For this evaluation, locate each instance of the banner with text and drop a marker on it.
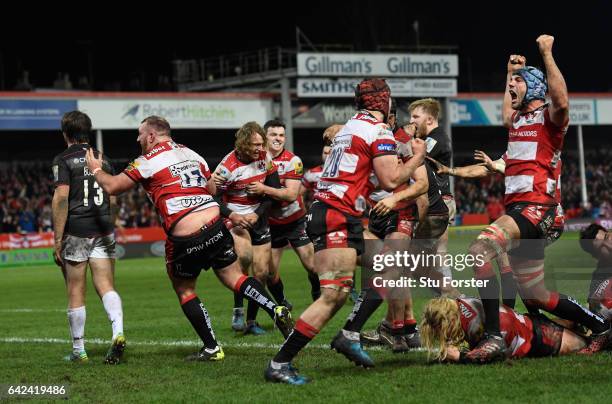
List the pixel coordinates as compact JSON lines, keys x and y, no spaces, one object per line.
{"x":377,"y":64}
{"x":400,"y":87}
{"x":181,"y":113}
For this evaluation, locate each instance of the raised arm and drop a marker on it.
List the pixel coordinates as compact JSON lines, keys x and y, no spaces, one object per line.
{"x":557,"y":89}
{"x":112,"y":184}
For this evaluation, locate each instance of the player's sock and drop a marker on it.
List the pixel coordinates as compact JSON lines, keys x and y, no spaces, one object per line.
{"x":509,"y":287}
{"x":256,"y":293}
{"x":410,"y":326}
{"x":198,"y":317}
{"x":76,"y":320}
{"x":369,"y":300}
{"x":301,"y":335}
{"x":112,"y":305}
{"x":276,"y":288}
{"x":252,"y":309}
{"x":238,"y":300}
{"x":490,"y":303}
{"x":568,"y":308}
{"x":315,"y":286}
{"x":397,"y":327}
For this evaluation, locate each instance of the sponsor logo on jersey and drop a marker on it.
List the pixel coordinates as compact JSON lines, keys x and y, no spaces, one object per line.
{"x":387,"y":147}
{"x":155,"y":150}
{"x":180,"y":203}
{"x":177,"y":169}
{"x":299,"y":167}
{"x":465,"y":311}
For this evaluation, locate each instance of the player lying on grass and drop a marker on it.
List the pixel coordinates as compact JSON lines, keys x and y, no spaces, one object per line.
{"x":452,"y":326}
{"x":597,"y":241}
{"x":177,"y":180}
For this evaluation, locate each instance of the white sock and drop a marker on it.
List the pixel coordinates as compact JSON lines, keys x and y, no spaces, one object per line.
{"x":112,"y":305}
{"x":76,"y":320}
{"x":352,"y":335}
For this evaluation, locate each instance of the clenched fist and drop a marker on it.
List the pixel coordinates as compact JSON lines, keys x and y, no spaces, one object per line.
{"x":545,"y":43}
{"x":516,"y":62}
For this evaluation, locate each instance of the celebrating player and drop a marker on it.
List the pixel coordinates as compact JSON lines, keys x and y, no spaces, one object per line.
{"x":177,"y":181}
{"x":536,"y":134}
{"x":334,"y":219}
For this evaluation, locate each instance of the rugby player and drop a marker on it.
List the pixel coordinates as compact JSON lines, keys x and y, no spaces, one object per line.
{"x":334,"y":224}
{"x":84,"y":235}
{"x":177,"y":180}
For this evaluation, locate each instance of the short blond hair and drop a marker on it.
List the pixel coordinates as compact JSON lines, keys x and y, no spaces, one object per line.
{"x":431,"y":106}
{"x":330,"y":133}
{"x":441,"y":327}
{"x":243,"y":135}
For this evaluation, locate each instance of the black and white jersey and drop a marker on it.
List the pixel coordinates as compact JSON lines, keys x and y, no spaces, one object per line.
{"x":439,"y":148}
{"x":89,"y":205}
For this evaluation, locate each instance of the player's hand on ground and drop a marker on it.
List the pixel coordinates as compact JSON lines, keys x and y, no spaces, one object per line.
{"x":545,"y":43}
{"x":255,"y":188}
{"x":441,"y":169}
{"x":93,"y":162}
{"x":516,"y":62}
{"x":385,"y":206}
{"x":484,"y":159}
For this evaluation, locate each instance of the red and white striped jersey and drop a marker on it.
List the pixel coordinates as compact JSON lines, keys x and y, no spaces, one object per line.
{"x":534,"y":151}
{"x":238,"y":176}
{"x":404,"y":153}
{"x":344,"y":182}
{"x":175,"y":179}
{"x":516,"y":329}
{"x":311,"y":178}
{"x":289,"y":167}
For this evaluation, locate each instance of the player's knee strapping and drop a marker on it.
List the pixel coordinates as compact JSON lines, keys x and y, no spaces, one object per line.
{"x":491,"y":242}
{"x":337,"y":280}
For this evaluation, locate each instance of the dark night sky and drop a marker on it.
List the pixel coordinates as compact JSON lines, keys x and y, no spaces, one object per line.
{"x":484,"y":33}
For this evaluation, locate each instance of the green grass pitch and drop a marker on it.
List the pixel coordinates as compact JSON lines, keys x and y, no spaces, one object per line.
{"x":34,"y":337}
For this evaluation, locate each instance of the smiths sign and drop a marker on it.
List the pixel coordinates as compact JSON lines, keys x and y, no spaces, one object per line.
{"x":377,"y":64}
{"x":400,"y":87}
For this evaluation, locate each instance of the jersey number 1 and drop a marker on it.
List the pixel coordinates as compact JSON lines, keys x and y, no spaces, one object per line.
{"x":98,"y":198}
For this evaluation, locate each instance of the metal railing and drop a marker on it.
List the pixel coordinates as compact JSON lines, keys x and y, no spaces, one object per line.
{"x":233,"y":65}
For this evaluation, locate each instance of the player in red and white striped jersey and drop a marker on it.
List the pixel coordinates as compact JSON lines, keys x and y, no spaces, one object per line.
{"x":176,"y":179}
{"x":536,"y":134}
{"x":486,"y":168}
{"x":313,"y":175}
{"x":449,"y":324}
{"x":237,"y":176}
{"x":287,"y":220}
{"x":334,"y":220}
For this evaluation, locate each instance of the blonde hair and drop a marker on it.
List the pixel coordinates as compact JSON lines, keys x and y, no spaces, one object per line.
{"x":243,"y":136}
{"x":441,"y":327}
{"x":429,"y":105}
{"x":330,"y":133}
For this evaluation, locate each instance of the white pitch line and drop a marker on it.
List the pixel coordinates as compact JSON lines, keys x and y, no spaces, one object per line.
{"x":32,"y":310}
{"x":99,"y":341}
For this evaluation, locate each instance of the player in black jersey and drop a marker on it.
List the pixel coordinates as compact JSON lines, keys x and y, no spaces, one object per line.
{"x":424,"y":113}
{"x":84,"y":234}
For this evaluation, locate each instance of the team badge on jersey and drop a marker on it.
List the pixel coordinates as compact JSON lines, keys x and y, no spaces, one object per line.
{"x":299,"y":167}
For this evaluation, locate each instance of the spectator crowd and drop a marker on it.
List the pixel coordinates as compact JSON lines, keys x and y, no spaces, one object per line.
{"x":26,"y":191}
